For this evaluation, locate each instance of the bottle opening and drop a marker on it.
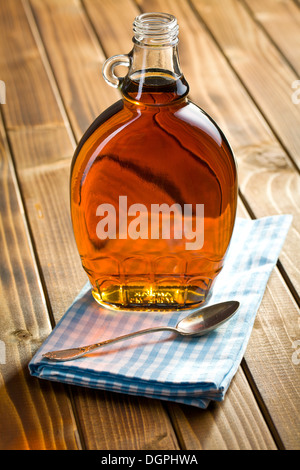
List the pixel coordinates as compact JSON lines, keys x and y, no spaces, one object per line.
{"x":160,"y":29}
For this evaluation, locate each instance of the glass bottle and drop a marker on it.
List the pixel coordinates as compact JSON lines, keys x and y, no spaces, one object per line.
{"x":153,"y":184}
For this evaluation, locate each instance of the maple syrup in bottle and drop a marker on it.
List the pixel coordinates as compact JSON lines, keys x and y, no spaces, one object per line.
{"x":153,"y":184}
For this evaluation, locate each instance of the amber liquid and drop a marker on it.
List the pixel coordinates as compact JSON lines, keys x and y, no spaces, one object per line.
{"x":153,"y":147}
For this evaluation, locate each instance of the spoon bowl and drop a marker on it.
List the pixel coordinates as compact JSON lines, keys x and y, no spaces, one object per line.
{"x":197,"y":323}
{"x":207,"y":319}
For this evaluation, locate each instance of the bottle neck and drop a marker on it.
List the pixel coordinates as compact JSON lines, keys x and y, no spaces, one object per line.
{"x":154,"y":76}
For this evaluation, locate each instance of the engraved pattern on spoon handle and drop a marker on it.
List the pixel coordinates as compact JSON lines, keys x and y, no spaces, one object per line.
{"x":74,"y":353}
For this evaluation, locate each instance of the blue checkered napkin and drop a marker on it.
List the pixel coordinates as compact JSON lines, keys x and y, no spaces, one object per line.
{"x":163,"y":365}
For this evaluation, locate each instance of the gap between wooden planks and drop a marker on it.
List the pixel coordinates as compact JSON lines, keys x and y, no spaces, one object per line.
{"x":281,"y":22}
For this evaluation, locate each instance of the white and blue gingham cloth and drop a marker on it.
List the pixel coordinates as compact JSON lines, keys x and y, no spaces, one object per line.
{"x":163,"y":365}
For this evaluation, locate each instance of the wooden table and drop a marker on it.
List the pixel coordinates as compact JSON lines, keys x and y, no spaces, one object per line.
{"x":241,"y":59}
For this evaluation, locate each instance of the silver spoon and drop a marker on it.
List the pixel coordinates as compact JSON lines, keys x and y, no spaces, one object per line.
{"x":196,"y":324}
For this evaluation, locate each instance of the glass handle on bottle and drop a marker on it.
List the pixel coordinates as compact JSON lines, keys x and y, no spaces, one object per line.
{"x":109,"y":67}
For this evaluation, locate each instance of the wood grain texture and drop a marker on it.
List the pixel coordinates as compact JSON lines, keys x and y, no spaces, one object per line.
{"x":45,"y":191}
{"x":281,"y":21}
{"x":114,"y":421}
{"x":209,"y":429}
{"x":269,"y":358}
{"x":76,"y":60}
{"x":23,"y":72}
{"x":259,"y":65}
{"x":33,"y":415}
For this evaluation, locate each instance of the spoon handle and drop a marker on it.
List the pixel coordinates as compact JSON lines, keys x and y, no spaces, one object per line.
{"x":74,"y":353}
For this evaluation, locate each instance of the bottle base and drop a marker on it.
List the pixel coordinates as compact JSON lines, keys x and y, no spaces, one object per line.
{"x":147,"y":298}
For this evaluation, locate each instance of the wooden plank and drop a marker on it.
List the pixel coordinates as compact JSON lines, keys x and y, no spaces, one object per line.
{"x":76,"y":60}
{"x":259,"y":65}
{"x":33,"y":415}
{"x":121,"y":422}
{"x":263,"y":167}
{"x":271,"y":364}
{"x":45,"y":190}
{"x":42,"y":152}
{"x":23,"y":72}
{"x":104,"y":12}
{"x":281,"y":20}
{"x":209,"y":429}
{"x":48,"y":38}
